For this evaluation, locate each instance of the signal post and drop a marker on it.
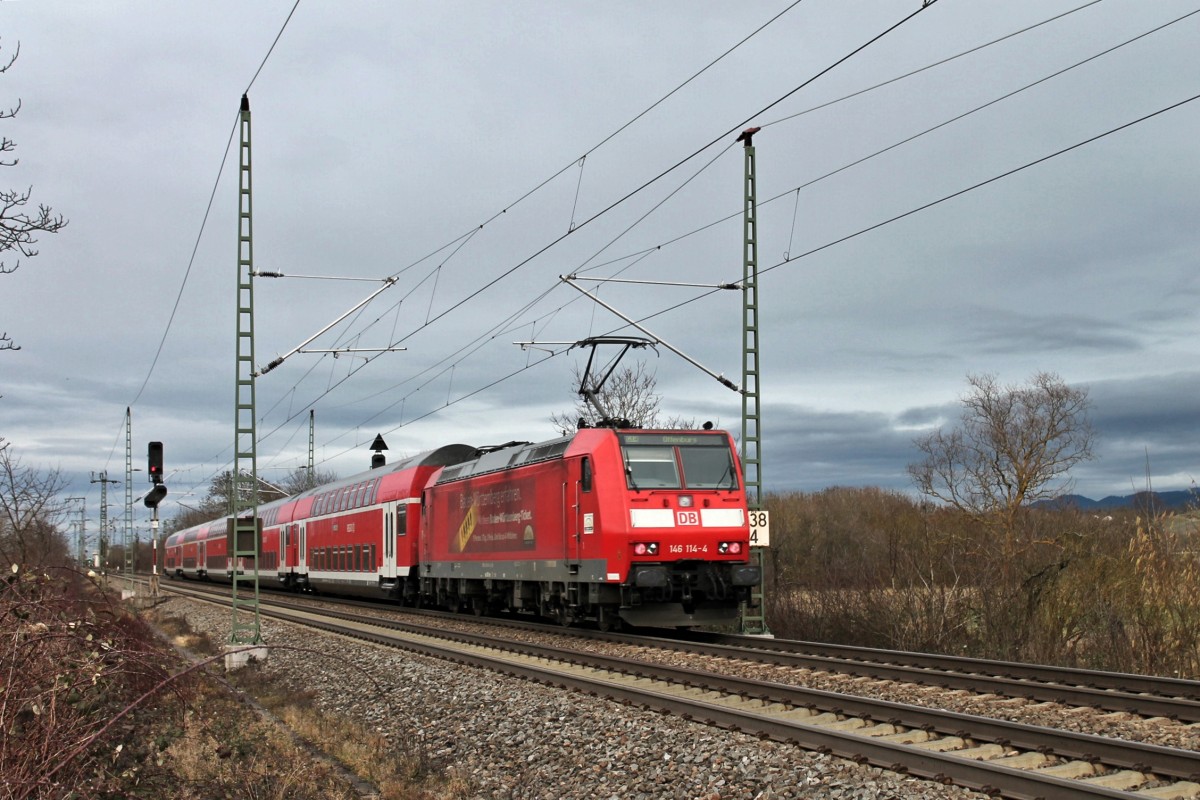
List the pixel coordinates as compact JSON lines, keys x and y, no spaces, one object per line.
{"x":151,"y":500}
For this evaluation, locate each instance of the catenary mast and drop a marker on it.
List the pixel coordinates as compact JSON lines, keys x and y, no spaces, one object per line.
{"x":753,"y":619}
{"x":244,"y":525}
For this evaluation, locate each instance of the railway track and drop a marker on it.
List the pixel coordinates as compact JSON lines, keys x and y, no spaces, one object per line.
{"x":1142,"y":695}
{"x":994,"y":756}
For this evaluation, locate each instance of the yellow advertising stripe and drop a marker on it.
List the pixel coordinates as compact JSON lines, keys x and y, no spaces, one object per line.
{"x":466,"y":529}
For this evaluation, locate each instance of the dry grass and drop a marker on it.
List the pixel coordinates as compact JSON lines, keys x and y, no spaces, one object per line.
{"x":1114,"y":592}
{"x":93,"y":704}
{"x":314,"y":746}
{"x":227,"y":751}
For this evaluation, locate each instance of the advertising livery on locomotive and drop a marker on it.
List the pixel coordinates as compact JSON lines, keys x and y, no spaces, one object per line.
{"x":649,"y":527}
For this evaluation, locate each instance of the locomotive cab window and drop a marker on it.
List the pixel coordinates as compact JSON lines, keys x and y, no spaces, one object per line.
{"x":708,"y":468}
{"x":651,"y":468}
{"x":677,"y":461}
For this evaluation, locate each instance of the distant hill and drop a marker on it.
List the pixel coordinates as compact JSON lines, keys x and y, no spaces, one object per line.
{"x":1157,"y":501}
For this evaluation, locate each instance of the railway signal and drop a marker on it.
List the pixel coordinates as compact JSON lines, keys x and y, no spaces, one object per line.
{"x":155,"y":465}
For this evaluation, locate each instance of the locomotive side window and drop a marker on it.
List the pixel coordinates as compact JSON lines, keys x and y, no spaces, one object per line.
{"x":651,"y":468}
{"x":585,"y":476}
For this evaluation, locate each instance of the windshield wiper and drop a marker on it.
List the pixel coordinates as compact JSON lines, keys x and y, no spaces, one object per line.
{"x":629,"y":475}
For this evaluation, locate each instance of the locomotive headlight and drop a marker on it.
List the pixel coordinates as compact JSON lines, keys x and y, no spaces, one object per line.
{"x":645,"y":548}
{"x":685,"y":501}
{"x":730,"y":548}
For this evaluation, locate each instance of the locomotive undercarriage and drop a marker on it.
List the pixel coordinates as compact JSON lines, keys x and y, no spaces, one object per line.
{"x":656,"y":595}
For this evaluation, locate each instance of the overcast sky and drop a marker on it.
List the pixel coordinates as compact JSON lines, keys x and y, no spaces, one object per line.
{"x":444,"y":144}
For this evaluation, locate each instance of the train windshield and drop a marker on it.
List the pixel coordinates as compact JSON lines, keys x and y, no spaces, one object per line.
{"x":678,"y":461}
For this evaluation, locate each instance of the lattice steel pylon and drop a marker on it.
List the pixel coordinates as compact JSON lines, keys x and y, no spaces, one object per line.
{"x":312,"y":429}
{"x":244,"y":529}
{"x":752,"y":617}
{"x":102,"y":544}
{"x":127,"y":539}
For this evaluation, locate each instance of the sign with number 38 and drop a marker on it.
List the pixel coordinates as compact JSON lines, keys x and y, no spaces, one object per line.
{"x":760,"y":529}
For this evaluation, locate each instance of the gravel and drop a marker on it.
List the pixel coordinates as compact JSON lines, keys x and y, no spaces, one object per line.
{"x":507,"y":738}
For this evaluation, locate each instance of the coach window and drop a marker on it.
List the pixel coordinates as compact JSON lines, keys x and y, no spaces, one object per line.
{"x":402,"y":521}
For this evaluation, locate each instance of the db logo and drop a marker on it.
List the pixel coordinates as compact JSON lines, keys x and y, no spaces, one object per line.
{"x":687,"y":517}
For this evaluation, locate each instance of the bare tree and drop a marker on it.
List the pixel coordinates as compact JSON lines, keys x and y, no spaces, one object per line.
{"x":1013,"y":446}
{"x":216,"y":504}
{"x":29,"y":512}
{"x":629,"y":394}
{"x":220,"y":492}
{"x":18,"y":227}
{"x":301,"y":479}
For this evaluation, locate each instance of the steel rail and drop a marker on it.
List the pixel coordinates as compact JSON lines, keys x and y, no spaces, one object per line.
{"x":1097,"y":679}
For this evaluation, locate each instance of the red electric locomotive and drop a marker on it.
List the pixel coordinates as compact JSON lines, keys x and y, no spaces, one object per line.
{"x":649,"y":527}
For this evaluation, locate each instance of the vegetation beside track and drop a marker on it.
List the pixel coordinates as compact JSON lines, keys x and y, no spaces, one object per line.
{"x":95,"y":704}
{"x":1111,"y":591}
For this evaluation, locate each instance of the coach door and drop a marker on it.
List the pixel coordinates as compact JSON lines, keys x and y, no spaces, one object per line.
{"x":389,"y":540}
{"x":404,"y":551}
{"x":293,"y":546}
{"x":302,"y":548}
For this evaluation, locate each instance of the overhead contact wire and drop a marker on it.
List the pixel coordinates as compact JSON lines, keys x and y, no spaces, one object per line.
{"x":656,"y":178}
